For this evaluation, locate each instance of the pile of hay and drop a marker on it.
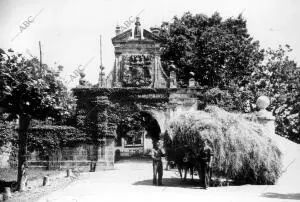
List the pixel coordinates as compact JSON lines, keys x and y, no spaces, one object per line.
{"x":241,"y":151}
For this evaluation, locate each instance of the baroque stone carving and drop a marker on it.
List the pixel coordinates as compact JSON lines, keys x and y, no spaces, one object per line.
{"x":136,"y":70}
{"x":137,"y":63}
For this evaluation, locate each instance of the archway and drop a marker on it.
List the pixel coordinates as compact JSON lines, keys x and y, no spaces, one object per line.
{"x":135,"y":136}
{"x":151,"y":125}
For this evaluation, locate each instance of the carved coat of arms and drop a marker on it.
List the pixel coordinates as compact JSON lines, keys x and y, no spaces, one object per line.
{"x":136,"y":70}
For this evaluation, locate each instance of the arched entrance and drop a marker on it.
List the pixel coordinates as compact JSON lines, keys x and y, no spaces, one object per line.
{"x":112,"y":110}
{"x":135,"y":139}
{"x":137,"y":85}
{"x":151,"y":125}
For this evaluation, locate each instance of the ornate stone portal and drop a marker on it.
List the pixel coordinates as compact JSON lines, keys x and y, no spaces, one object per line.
{"x":136,"y":87}
{"x":137,"y":60}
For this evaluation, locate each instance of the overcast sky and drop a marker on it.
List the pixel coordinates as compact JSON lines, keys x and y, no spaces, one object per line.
{"x":69,"y":30}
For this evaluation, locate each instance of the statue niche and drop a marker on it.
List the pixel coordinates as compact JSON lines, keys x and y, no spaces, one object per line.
{"x":136,"y":70}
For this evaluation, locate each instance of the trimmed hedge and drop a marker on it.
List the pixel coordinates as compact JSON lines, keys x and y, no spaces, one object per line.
{"x":48,"y":138}
{"x":241,"y":151}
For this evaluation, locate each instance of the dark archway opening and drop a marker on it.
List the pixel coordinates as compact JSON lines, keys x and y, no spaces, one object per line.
{"x":151,"y":126}
{"x":136,"y":133}
{"x":140,"y":121}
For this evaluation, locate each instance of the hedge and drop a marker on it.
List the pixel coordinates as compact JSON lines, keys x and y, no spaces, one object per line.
{"x":47,"y":138}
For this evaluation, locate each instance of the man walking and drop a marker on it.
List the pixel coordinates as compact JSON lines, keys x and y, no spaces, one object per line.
{"x":156,"y":154}
{"x":205,"y":163}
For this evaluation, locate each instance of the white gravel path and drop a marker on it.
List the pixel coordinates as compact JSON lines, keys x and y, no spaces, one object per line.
{"x":131,"y":181}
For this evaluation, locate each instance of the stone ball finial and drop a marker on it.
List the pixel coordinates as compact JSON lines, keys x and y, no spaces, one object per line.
{"x":192,"y":81}
{"x":60,"y":68}
{"x":262,"y":102}
{"x":82,"y":74}
{"x":118,"y":29}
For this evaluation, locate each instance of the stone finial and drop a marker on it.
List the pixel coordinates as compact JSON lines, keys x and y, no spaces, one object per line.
{"x":101,"y":80}
{"x":173,"y":77}
{"x":82,"y":75}
{"x":155,"y":30}
{"x":118,"y":29}
{"x":265,"y":117}
{"x":192,"y":82}
{"x":60,"y":68}
{"x":137,"y":22}
{"x":262,"y":102}
{"x":82,"y":80}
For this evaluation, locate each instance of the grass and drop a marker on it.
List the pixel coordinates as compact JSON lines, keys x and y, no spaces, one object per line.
{"x":33,"y":174}
{"x":242,"y":151}
{"x":8,"y":176}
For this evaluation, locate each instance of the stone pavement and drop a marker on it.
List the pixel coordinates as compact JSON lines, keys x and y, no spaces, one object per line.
{"x":132,"y":181}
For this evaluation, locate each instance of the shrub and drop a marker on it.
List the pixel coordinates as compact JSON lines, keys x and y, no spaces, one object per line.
{"x":45,"y":138}
{"x":7,"y":132}
{"x":241,"y":151}
{"x":48,"y":138}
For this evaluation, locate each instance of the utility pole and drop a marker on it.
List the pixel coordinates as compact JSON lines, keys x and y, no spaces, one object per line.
{"x":100,"y":51}
{"x":101,"y":75}
{"x":41,"y":64}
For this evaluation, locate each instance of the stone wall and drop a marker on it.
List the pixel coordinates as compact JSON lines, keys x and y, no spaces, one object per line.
{"x":106,"y":155}
{"x":81,"y":157}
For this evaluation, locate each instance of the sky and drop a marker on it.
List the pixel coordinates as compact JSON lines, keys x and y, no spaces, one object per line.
{"x":70,"y":31}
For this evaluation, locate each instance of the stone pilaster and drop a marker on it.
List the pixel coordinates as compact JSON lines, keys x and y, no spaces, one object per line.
{"x":117,"y":70}
{"x":102,"y":103}
{"x":103,"y":140}
{"x":173,"y":80}
{"x":266,"y":119}
{"x":158,"y":77}
{"x":154,"y":72}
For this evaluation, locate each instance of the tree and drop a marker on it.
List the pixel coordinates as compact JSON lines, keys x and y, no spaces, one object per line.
{"x":217,"y":51}
{"x":233,"y":67}
{"x":28,"y":93}
{"x":279,"y":78}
